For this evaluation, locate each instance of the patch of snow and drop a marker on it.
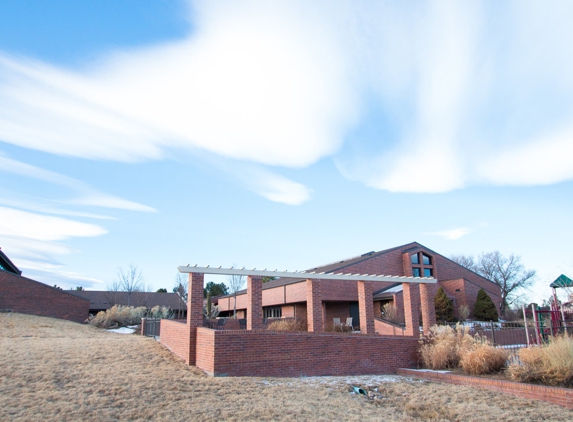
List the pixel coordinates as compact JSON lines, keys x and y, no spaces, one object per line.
{"x":431,"y":370}
{"x":368,"y":380}
{"x":122,"y":330}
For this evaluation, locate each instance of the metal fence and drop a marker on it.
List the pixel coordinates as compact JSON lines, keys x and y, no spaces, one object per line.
{"x":151,"y":326}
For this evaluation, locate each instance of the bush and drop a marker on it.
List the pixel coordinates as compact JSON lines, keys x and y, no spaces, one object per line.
{"x":444,"y":307}
{"x":484,"y":308}
{"x":288,"y":325}
{"x":390,"y":312}
{"x":118,"y":315}
{"x":463,"y":312}
{"x":444,"y":345}
{"x":483,"y":358}
{"x":337,"y":328}
{"x":550,"y":364}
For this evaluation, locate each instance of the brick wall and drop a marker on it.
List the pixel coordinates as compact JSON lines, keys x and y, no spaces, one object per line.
{"x":175,"y":336}
{"x":555,"y":395}
{"x":27,"y":296}
{"x":264,"y":353}
{"x":387,"y":329}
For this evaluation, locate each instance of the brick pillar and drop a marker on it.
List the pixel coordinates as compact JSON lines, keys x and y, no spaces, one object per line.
{"x":194,"y":311}
{"x":254,"y":303}
{"x":427,"y":294}
{"x":366,"y":307}
{"x":407,"y":264}
{"x":411,"y":293}
{"x":314,"y":312}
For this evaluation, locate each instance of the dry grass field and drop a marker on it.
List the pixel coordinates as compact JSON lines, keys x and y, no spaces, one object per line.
{"x":53,"y":370}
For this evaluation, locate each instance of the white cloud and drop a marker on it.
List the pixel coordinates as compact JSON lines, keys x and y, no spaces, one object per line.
{"x":473,"y":93}
{"x":23,"y":224}
{"x":453,"y":234}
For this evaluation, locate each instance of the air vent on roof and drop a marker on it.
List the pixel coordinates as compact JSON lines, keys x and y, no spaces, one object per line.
{"x":367,"y":253}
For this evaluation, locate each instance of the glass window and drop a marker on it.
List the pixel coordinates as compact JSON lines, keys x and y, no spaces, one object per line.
{"x":426,"y":260}
{"x":415,"y":259}
{"x":416,"y":272}
{"x":273,"y":312}
{"x":428,"y":272}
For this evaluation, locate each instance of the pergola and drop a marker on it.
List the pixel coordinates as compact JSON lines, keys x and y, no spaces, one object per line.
{"x":418,"y":293}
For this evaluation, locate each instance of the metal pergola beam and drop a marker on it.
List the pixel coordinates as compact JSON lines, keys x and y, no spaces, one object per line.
{"x":304,"y":274}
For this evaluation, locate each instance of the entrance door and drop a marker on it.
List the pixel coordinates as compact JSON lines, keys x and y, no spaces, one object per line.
{"x":355,"y":314}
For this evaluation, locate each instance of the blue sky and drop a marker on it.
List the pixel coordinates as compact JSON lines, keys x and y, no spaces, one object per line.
{"x":282,"y":135}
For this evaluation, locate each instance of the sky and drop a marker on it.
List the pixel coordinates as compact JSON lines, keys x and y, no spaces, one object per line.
{"x":284,"y":134}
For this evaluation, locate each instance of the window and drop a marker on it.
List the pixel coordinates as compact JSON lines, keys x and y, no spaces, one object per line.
{"x":416,"y":272}
{"x":415,"y":259}
{"x":428,"y":272}
{"x":426,"y":260}
{"x":272,"y":312}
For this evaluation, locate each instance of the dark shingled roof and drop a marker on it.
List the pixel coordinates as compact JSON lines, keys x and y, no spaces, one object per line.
{"x":105,"y":300}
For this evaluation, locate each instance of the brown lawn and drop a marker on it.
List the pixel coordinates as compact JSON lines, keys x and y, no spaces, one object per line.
{"x":57,"y":370}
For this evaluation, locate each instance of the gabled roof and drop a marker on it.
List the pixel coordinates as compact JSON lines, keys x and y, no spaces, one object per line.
{"x":105,"y":300}
{"x":333,"y":267}
{"x":7,"y":265}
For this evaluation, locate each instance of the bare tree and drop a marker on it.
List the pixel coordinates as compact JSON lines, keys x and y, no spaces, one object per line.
{"x":130,"y":281}
{"x":236,"y":283}
{"x":180,"y":286}
{"x":507,"y":272}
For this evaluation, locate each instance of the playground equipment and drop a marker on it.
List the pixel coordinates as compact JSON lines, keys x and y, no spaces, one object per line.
{"x":558,"y":319}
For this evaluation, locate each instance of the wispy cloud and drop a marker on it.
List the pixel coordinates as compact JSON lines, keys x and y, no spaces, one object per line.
{"x":466,"y":88}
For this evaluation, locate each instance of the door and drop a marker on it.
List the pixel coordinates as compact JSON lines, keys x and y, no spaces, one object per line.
{"x":355,"y":314}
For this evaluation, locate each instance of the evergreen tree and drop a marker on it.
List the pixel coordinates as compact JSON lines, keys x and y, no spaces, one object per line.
{"x":484,"y":308}
{"x":444,"y":307}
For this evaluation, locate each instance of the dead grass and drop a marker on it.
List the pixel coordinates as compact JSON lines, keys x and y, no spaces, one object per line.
{"x":483,"y":358}
{"x":443,"y":346}
{"x":289,"y":324}
{"x":53,"y":370}
{"x":551,"y":364}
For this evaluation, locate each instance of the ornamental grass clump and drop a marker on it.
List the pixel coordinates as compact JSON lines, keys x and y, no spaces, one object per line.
{"x":550,"y":364}
{"x":443,"y":346}
{"x":483,"y":358}
{"x":118,"y":316}
{"x":288,"y":325}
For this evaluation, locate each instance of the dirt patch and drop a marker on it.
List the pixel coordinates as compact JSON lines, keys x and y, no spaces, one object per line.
{"x":57,"y":370}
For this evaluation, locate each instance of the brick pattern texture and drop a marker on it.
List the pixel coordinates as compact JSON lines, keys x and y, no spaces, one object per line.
{"x":27,"y":296}
{"x":555,"y":395}
{"x":365,"y":307}
{"x":315,"y":311}
{"x":175,"y":335}
{"x":254,"y":303}
{"x":411,"y":294}
{"x":264,"y":353}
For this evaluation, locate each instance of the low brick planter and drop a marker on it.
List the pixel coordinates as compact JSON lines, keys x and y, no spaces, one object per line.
{"x":555,"y":395}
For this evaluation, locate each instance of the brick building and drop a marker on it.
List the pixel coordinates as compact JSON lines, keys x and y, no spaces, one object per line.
{"x":27,"y":296}
{"x":287,"y":297}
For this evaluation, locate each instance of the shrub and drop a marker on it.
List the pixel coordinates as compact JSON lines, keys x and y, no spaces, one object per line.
{"x":444,"y":307}
{"x":390,"y":312}
{"x":483,"y":358}
{"x":443,"y":346}
{"x":484,"y":308}
{"x":118,"y":315}
{"x":550,"y":364}
{"x":288,"y":325}
{"x":463,"y":312}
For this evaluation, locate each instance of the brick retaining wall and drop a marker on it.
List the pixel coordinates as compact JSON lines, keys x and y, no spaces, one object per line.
{"x":555,"y":395}
{"x":27,"y":296}
{"x":175,"y":336}
{"x":294,"y":354}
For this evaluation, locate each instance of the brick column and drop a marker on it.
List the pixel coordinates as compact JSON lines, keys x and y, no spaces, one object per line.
{"x":427,"y":294}
{"x":314,"y":312}
{"x":411,"y":293}
{"x":366,"y":307}
{"x":194,"y":311}
{"x":407,"y":264}
{"x":254,"y":303}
